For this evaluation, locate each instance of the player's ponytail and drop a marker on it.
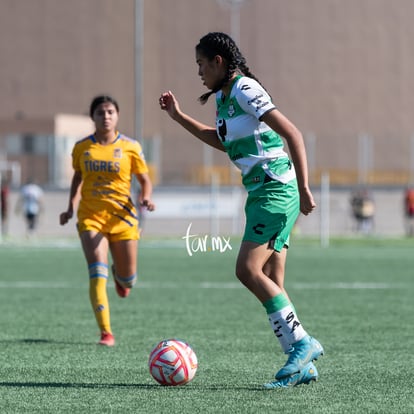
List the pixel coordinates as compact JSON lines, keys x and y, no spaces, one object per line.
{"x":218,"y":43}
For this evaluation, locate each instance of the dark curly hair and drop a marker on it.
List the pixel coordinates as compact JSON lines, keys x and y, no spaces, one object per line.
{"x":218,"y":43}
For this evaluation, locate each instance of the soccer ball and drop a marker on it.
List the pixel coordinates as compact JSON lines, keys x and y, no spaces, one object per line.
{"x":172,"y":362}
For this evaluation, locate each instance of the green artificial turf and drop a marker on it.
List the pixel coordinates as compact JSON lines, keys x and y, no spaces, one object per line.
{"x":356,"y":297}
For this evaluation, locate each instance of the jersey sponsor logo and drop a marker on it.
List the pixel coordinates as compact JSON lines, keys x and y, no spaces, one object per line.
{"x":102,"y":193}
{"x":117,"y":153}
{"x":222,"y":129}
{"x":236,"y":156}
{"x":231,"y":111}
{"x":257,"y":227}
{"x":101,"y":166}
{"x":245,"y":87}
{"x":262,"y":105}
{"x":258,"y":102}
{"x":101,"y":182}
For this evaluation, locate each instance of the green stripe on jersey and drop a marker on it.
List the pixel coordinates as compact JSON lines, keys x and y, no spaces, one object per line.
{"x":251,"y":145}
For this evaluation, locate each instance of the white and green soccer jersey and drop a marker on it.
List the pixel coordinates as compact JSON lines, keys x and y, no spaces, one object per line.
{"x":253,"y":147}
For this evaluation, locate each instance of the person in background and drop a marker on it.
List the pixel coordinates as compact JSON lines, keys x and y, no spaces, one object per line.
{"x":409,"y":211}
{"x":30,"y":202}
{"x":4,"y":206}
{"x":363,"y":209}
{"x":250,"y":128}
{"x":104,"y":164}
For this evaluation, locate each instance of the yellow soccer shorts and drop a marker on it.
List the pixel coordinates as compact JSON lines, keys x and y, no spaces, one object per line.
{"x":115,"y":226}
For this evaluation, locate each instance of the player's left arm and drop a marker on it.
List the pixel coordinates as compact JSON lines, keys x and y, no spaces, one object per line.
{"x":285,"y":128}
{"x":145,"y":196}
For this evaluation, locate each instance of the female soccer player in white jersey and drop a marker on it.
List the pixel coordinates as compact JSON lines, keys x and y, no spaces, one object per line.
{"x":249,"y":128}
{"x":104,"y":163}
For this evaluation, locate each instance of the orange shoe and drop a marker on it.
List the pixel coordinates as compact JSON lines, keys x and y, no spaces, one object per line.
{"x":107,"y":339}
{"x":122,"y":292}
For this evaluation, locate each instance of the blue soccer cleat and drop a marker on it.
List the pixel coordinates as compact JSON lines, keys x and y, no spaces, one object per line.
{"x":304,"y":351}
{"x":305,"y":376}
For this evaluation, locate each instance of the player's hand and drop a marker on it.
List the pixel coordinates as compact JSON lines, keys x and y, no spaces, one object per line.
{"x":307,"y":203}
{"x":148,"y":204}
{"x":65,"y":217}
{"x":169,"y":103}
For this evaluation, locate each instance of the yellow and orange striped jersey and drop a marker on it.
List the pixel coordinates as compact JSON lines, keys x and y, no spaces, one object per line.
{"x":106,"y":176}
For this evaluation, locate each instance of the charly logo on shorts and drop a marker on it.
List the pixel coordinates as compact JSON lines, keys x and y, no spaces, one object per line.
{"x":195,"y":243}
{"x":257,"y":227}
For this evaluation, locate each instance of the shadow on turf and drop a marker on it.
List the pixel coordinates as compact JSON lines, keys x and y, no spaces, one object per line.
{"x":142,"y":386}
{"x":72,"y":385}
{"x":34,"y":341}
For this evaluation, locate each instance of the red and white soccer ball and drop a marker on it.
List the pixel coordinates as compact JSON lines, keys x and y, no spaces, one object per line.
{"x":172,"y":362}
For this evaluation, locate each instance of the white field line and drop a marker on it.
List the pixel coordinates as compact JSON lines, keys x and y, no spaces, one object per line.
{"x":74,"y":243}
{"x":204,"y":285}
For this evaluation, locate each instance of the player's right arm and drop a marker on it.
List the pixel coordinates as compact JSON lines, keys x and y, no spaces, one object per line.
{"x":73,"y":198}
{"x":203,"y":132}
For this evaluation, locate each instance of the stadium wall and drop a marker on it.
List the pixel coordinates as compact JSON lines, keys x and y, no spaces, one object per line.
{"x":220,"y":213}
{"x":339,"y":69}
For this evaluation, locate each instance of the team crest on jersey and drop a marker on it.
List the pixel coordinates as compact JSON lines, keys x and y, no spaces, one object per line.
{"x":86,"y":154}
{"x":231,"y":111}
{"x":117,"y":153}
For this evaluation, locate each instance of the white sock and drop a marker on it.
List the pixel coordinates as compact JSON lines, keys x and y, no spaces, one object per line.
{"x":287,"y":327}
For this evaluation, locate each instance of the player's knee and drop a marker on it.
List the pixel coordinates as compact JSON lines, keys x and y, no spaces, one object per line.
{"x":243,"y":273}
{"x":249,"y":274}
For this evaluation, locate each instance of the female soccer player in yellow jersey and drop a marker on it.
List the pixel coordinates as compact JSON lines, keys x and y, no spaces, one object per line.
{"x":103,"y":164}
{"x":249,"y":128}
